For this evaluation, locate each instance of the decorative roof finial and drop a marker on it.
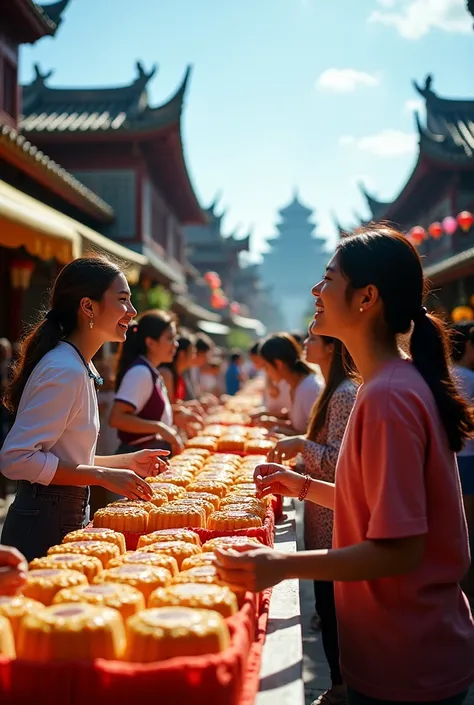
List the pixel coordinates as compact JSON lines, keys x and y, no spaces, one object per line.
{"x":143,"y":76}
{"x":41,"y":77}
{"x":425,"y":91}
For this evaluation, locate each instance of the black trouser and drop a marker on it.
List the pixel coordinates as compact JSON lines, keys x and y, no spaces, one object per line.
{"x":40,"y":516}
{"x":355,"y":698}
{"x":326,"y":609}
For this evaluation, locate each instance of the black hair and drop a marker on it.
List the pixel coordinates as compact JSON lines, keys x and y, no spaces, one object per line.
{"x":150,"y":324}
{"x":380,"y":256}
{"x":186,"y":340}
{"x":284,"y":347}
{"x":86,"y":277}
{"x":461,"y":335}
{"x":255,"y":349}
{"x":203,"y":343}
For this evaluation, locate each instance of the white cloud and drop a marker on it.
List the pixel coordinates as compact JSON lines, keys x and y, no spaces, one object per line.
{"x":346,"y":80}
{"x":414,"y":105}
{"x":385,"y":144}
{"x":415,"y":18}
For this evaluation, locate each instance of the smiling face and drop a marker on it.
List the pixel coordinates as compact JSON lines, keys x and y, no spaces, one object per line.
{"x":317,"y":351}
{"x":162,"y":350}
{"x":112,"y":315}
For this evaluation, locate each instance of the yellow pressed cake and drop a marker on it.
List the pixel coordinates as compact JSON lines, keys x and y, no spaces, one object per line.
{"x":166,"y":632}
{"x":103,"y":550}
{"x":145,"y":578}
{"x":171,"y":490}
{"x":14,"y":608}
{"x":208,"y":597}
{"x":181,"y":478}
{"x":212,"y":498}
{"x":207,"y":558}
{"x":169,"y":535}
{"x":202,"y":452}
{"x":178,"y":549}
{"x":124,"y":598}
{"x":71,"y":631}
{"x":131,"y":503}
{"x":7,"y":642}
{"x":229,"y":520}
{"x":212,"y":486}
{"x":206,"y":442}
{"x":122,"y":518}
{"x":221,"y":541}
{"x":259,"y":445}
{"x":158,"y":560}
{"x":97,"y":534}
{"x":196,"y":502}
{"x":42,"y":585}
{"x":236,"y":443}
{"x":174,"y":515}
{"x":89,"y":565}
{"x":207,"y":574}
{"x":158,"y":498}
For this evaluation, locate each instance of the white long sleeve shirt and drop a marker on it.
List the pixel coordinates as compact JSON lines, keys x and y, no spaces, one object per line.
{"x":57,"y":419}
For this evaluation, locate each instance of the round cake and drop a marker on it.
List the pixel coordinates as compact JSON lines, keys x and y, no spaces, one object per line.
{"x":170,"y":535}
{"x":193,"y":502}
{"x":259,"y":445}
{"x":212,"y":486}
{"x":131,"y":504}
{"x":235,"y":443}
{"x":71,"y":631}
{"x":208,"y":558}
{"x":208,"y":597}
{"x":171,"y":490}
{"x":205,"y":442}
{"x":205,"y":574}
{"x":42,"y":585}
{"x":89,"y":565}
{"x":201,"y":452}
{"x":157,"y":560}
{"x":103,"y":550}
{"x":122,"y":518}
{"x":174,"y":515}
{"x":7,"y":642}
{"x":230,"y":520}
{"x":223,"y":541}
{"x":180,"y":478}
{"x":143,"y":577}
{"x":14,"y":608}
{"x":178,"y":549}
{"x":255,"y":506}
{"x":166,"y":632}
{"x":208,"y":496}
{"x":124,"y":598}
{"x":97,"y":534}
{"x":159,"y":498}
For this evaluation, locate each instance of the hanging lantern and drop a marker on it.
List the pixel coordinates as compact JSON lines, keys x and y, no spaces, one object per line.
{"x":462,"y":313}
{"x":465,"y":220}
{"x":213,"y":280}
{"x":417,"y":235}
{"x":21,"y":271}
{"x":435,"y":230}
{"x":450,"y":225}
{"x":235,"y":308}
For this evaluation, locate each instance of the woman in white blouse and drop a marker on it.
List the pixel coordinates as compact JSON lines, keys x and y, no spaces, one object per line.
{"x":51,"y":447}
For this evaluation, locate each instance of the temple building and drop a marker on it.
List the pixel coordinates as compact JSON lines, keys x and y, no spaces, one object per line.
{"x":295,"y":262}
{"x":256,"y":298}
{"x":47,"y":216}
{"x":441,"y":185}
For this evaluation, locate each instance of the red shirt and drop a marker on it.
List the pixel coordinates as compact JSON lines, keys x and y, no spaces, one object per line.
{"x":409,"y":637}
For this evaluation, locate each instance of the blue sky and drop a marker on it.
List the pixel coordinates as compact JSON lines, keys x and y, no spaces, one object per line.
{"x":313,"y":94}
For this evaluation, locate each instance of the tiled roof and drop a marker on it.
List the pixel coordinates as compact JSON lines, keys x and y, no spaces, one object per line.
{"x":88,"y":110}
{"x":449,"y":130}
{"x":53,"y":12}
{"x":52,"y":173}
{"x":377,"y":208}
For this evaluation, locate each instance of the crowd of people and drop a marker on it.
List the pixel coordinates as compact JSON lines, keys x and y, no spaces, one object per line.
{"x":373,"y":428}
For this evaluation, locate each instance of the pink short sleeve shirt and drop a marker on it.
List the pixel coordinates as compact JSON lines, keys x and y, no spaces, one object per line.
{"x":409,"y":637}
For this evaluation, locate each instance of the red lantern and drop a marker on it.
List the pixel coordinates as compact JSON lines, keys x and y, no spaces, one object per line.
{"x":213,"y":279}
{"x":417,"y":234}
{"x":235,"y":308}
{"x":465,"y":220}
{"x":435,"y":230}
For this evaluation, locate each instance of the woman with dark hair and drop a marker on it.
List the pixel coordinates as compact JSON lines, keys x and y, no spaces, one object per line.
{"x":320,"y":450}
{"x":175,"y":372}
{"x":400,"y":544}
{"x":283,"y":362}
{"x":142,"y":412}
{"x":50,"y":449}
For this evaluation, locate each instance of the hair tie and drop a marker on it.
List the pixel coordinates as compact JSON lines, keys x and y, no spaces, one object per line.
{"x":423,"y":312}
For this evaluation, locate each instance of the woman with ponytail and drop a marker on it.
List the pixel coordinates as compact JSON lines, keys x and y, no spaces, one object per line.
{"x":400,"y":546}
{"x":142,"y":412}
{"x":51,"y":447}
{"x":282,"y":358}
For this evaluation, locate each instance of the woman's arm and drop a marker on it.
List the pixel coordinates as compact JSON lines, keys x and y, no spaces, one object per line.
{"x":168,"y":380}
{"x":123,"y":417}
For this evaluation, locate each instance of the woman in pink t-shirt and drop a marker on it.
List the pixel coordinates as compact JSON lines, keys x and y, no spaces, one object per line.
{"x":400,"y":543}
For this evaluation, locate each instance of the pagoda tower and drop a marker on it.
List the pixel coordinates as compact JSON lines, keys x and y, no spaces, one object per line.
{"x":295,"y":262}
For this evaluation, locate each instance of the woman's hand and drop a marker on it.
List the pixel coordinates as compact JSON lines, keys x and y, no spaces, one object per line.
{"x":147,"y":463}
{"x":250,"y":568}
{"x":125,"y":482}
{"x":173,"y":438}
{"x":286,"y":449}
{"x":271,"y":478}
{"x":13,"y":569}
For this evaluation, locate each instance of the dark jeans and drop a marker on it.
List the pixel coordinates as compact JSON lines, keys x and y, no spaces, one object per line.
{"x":40,"y":516}
{"x":355,"y":698}
{"x":326,"y":609}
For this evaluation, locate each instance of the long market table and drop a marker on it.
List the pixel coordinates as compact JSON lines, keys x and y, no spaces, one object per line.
{"x":281,"y":675}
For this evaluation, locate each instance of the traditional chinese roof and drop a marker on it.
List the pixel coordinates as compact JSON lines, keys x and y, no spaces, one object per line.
{"x":85,"y":115}
{"x":20,"y":152}
{"x":28,"y":21}
{"x":295,"y":208}
{"x":470,"y":6}
{"x":377,"y":208}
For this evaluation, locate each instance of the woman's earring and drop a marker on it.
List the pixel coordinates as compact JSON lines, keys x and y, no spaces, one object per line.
{"x":91,"y":322}
{"x":361,"y":310}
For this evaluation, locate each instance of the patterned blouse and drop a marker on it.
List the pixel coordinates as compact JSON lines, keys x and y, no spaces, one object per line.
{"x":320,"y":458}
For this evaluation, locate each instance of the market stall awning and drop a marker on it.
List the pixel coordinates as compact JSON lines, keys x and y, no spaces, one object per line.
{"x":42,"y":231}
{"x":213,"y":328}
{"x":46,"y":233}
{"x":249,"y":324}
{"x":191,"y":308}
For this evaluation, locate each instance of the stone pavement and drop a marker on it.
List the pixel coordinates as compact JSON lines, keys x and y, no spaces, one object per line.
{"x":315,"y":670}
